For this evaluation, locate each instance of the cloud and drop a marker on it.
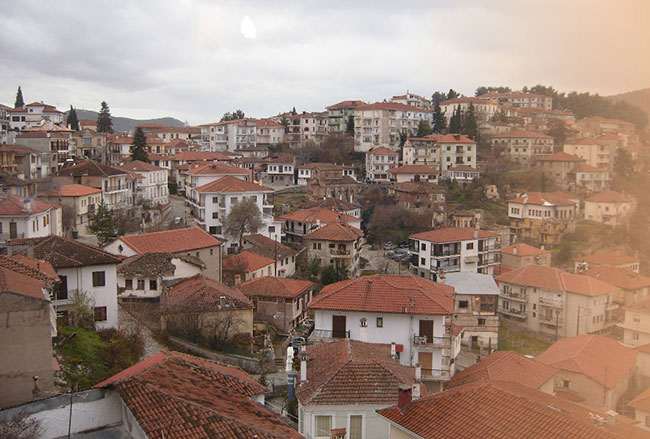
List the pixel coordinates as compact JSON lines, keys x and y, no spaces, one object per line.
{"x":192,"y":59}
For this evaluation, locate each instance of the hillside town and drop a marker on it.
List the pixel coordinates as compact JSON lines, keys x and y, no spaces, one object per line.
{"x":381,"y":269}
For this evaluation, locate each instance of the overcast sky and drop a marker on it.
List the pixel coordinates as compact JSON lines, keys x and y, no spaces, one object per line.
{"x":194,"y":60}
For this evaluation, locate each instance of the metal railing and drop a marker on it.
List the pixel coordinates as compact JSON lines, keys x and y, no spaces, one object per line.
{"x":335,"y":252}
{"x":440,"y":374}
{"x":513,"y":312}
{"x":514,"y":295}
{"x":426,"y":341}
{"x":328,"y":333}
{"x":551,"y":302}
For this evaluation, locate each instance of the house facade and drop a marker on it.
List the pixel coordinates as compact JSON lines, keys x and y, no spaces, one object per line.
{"x":610,"y":208}
{"x":378,"y":163}
{"x":117,"y":192}
{"x":522,"y":147}
{"x":541,"y":217}
{"x":337,"y":245}
{"x":28,"y":218}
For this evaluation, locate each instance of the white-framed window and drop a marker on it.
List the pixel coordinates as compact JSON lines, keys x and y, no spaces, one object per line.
{"x":355,"y":426}
{"x":322,"y":426}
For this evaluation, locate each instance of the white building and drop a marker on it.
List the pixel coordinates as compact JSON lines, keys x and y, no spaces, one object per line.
{"x":456,"y":150}
{"x":117,"y":190}
{"x":78,"y":201}
{"x":484,"y":109}
{"x":34,"y":114}
{"x":28,"y":218}
{"x":152,"y":187}
{"x":202,"y":173}
{"x":521,"y":147}
{"x":269,"y":132}
{"x":305,"y":171}
{"x":378,"y":162}
{"x":406,"y":173}
{"x":229,"y":135}
{"x":609,"y":208}
{"x":413,"y":313}
{"x":454,"y":249}
{"x":212,"y":202}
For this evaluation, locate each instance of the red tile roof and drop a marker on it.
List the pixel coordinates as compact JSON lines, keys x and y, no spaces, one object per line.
{"x":391,"y":106}
{"x":449,"y":138}
{"x":348,"y":372}
{"x":555,"y":279}
{"x":414,"y":169}
{"x":607,"y":197}
{"x":643,"y":305}
{"x":216,"y":168}
{"x":140,"y":166}
{"x":193,"y":156}
{"x":452,"y":234}
{"x":19,"y":283}
{"x":641,"y":401}
{"x":386,"y":293}
{"x":602,"y":359}
{"x":523,"y":250}
{"x":13,"y":205}
{"x":271,"y":286}
{"x":418,"y":187}
{"x":346,"y":104}
{"x":503,"y":410}
{"x":263,"y":123}
{"x":75,"y":190}
{"x":314,"y":214}
{"x":382,"y":150}
{"x":559,"y":157}
{"x":180,"y":396}
{"x":543,"y":199}
{"x":521,"y":134}
{"x":90,"y":168}
{"x":609,"y":258}
{"x":202,"y":294}
{"x":231,"y":184}
{"x":66,"y":253}
{"x":35,"y":268}
{"x":170,"y":241}
{"x":335,"y":232}
{"x":20,"y":149}
{"x":261,"y":245}
{"x":245,"y":262}
{"x":505,"y":366}
{"x":621,"y":277}
{"x":583,"y":167}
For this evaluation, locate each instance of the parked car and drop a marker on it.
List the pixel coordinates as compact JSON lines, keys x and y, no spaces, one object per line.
{"x":389,"y":246}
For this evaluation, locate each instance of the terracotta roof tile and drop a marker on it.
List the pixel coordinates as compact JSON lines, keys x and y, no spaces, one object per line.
{"x":391,"y":106}
{"x":641,"y":401}
{"x":140,"y":166}
{"x":607,"y":197}
{"x":452,"y":234}
{"x":12,"y":205}
{"x":620,"y":277}
{"x":609,"y":258}
{"x":346,"y":104}
{"x":90,"y":168}
{"x":202,"y":294}
{"x":414,"y":169}
{"x":154,"y":264}
{"x":216,"y":168}
{"x":272,"y":286}
{"x":386,"y":293}
{"x":583,"y":167}
{"x":19,"y":283}
{"x":543,"y":199}
{"x":522,"y":134}
{"x":418,"y":187}
{"x":231,"y":184}
{"x":334,"y":204}
{"x":335,"y":232}
{"x":602,"y":359}
{"x":66,"y":253}
{"x":170,"y":241}
{"x":245,"y":261}
{"x":314,"y":214}
{"x":267,"y":247}
{"x":559,"y":157}
{"x":74,"y":190}
{"x":382,"y":150}
{"x":557,"y":280}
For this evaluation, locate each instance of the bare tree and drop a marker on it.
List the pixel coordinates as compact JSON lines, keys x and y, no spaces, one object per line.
{"x":81,"y":310}
{"x":244,"y":217}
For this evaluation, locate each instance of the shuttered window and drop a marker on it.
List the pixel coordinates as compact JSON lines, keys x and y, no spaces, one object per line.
{"x":356,"y":427}
{"x":323,"y":426}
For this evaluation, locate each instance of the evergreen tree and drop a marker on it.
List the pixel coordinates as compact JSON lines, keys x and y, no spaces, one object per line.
{"x":19,"y":99}
{"x":72,"y":121}
{"x":439,"y":120}
{"x":469,"y":124}
{"x":293,"y":111}
{"x":235,"y":115}
{"x":104,"y":121}
{"x":453,"y":94}
{"x":424,"y":128}
{"x":139,"y":146}
{"x":456,"y":121}
{"x":349,"y":126}
{"x":438,"y":97}
{"x":101,"y":223}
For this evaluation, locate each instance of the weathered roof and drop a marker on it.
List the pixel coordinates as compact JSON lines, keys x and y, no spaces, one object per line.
{"x":154,"y":264}
{"x":90,"y":168}
{"x":453,"y":234}
{"x":335,"y":232}
{"x":523,"y":249}
{"x":202,"y":294}
{"x":271,"y":286}
{"x":245,"y":261}
{"x":607,"y":197}
{"x":13,"y":205}
{"x":314,"y":214}
{"x":172,"y":241}
{"x":621,"y":277}
{"x":66,"y":253}
{"x":231,"y":184}
{"x":267,"y":247}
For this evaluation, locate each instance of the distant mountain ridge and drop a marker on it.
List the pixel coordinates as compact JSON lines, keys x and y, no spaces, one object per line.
{"x":640,"y":98}
{"x":125,"y":124}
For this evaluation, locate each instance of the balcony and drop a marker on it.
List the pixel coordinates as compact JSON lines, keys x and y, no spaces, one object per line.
{"x":328,"y":333}
{"x":450,"y":252}
{"x":335,"y":252}
{"x":431,"y":342}
{"x":513,"y":312}
{"x":436,"y":374}
{"x":521,"y":297}
{"x":551,"y":320}
{"x":114,"y":189}
{"x":551,"y":302}
{"x":446,"y":267}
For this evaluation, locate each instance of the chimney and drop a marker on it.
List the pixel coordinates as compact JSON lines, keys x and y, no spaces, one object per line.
{"x":415,"y":390}
{"x":418,"y":372}
{"x":36,"y":391}
{"x":27,"y":204}
{"x":222,"y":301}
{"x":476,"y":228}
{"x":303,"y":364}
{"x":237,"y":280}
{"x":403,"y":396}
{"x":514,"y":250}
{"x":393,"y":350}
{"x":611,"y":417}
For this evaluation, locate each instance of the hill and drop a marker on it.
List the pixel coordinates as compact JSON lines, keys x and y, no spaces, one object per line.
{"x":122,"y":124}
{"x":639,"y":98}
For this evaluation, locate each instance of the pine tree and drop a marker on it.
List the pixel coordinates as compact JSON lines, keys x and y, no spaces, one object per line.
{"x":349,"y":126}
{"x":456,"y":121}
{"x":439,"y":120}
{"x":139,"y":146}
{"x":19,"y":99}
{"x":104,"y":121}
{"x":469,"y":124}
{"x":101,"y":223}
{"x":453,"y":94}
{"x":72,"y":121}
{"x":424,"y":128}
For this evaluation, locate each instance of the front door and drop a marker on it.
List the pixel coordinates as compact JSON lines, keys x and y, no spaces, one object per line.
{"x":13,"y":230}
{"x":426,"y":329}
{"x":338,"y":327}
{"x":426,"y":362}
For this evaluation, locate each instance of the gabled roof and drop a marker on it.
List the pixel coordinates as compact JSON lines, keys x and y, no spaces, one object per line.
{"x":35,"y":268}
{"x":352,"y":372}
{"x":602,"y":359}
{"x":555,"y":279}
{"x":346,"y":104}
{"x":559,"y":157}
{"x":19,"y":149}
{"x":314,"y":214}
{"x":386,"y":293}
{"x":65,"y":253}
{"x":334,"y":204}
{"x":154,"y":264}
{"x":503,"y":410}
{"x":610,"y":258}
{"x":583,"y":167}
{"x":335,"y":232}
{"x":505,"y":366}
{"x":261,"y":245}
{"x":245,"y":261}
{"x":139,"y":166}
{"x":542,"y":199}
{"x":418,"y":187}
{"x":189,"y":397}
{"x":74,"y":190}
{"x":382,"y":150}
{"x":391,"y":106}
{"x":413,"y":169}
{"x":13,"y":205}
{"x":172,"y":241}
{"x":607,"y":197}
{"x":216,"y":168}
{"x":620,"y":277}
{"x":271,"y":286}
{"x":19,"y":283}
{"x":202,"y":294}
{"x":641,"y":401}
{"x":90,"y":168}
{"x":453,"y":234}
{"x":230,"y":184}
{"x":522,"y":249}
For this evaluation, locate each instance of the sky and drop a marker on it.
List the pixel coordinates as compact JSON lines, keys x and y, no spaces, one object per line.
{"x":195,"y":60}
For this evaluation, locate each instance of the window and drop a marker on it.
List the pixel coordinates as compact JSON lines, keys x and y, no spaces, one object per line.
{"x":463,"y":303}
{"x":128,"y":284}
{"x":99,"y":279}
{"x":319,"y":246}
{"x":469,"y":246}
{"x":356,"y":427}
{"x":153,"y":284}
{"x":314,"y":246}
{"x":100,"y":313}
{"x":215,"y":215}
{"x":565,"y":383}
{"x":635,"y":336}
{"x":481,"y":322}
{"x":380,"y":322}
{"x":322,"y":426}
{"x":140,"y":284}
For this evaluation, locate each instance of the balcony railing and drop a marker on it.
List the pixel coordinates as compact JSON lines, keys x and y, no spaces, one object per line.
{"x":109,"y":189}
{"x":514,"y":295}
{"x":328,"y":333}
{"x":513,"y":312}
{"x":335,"y":252}
{"x":551,"y":320}
{"x":436,"y":374}
{"x":551,"y":302}
{"x":425,"y":341}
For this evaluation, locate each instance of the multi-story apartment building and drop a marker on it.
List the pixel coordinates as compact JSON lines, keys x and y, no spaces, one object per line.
{"x":117,"y":192}
{"x":337,"y":245}
{"x":33,"y":115}
{"x":520,"y":100}
{"x":305,"y":127}
{"x":412,"y":100}
{"x":484,"y":109}
{"x":167,"y":134}
{"x":541,"y":217}
{"x":414,"y":315}
{"x":421,"y":151}
{"x":212,"y":202}
{"x":202,"y":173}
{"x":89,"y":144}
{"x":442,"y":151}
{"x":381,"y":123}
{"x":339,"y":114}
{"x":585,"y":178}
{"x":558,"y":167}
{"x":152,"y":187}
{"x":594,"y":152}
{"x":610,"y":208}
{"x":306,"y":172}
{"x":378,"y":162}
{"x":269,"y":132}
{"x":279,"y":170}
{"x":301,"y":223}
{"x":522,"y":147}
{"x":454,"y":249}
{"x":229,"y":135}
{"x":119,"y":149}
{"x":53,"y":147}
{"x":554,"y":302}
